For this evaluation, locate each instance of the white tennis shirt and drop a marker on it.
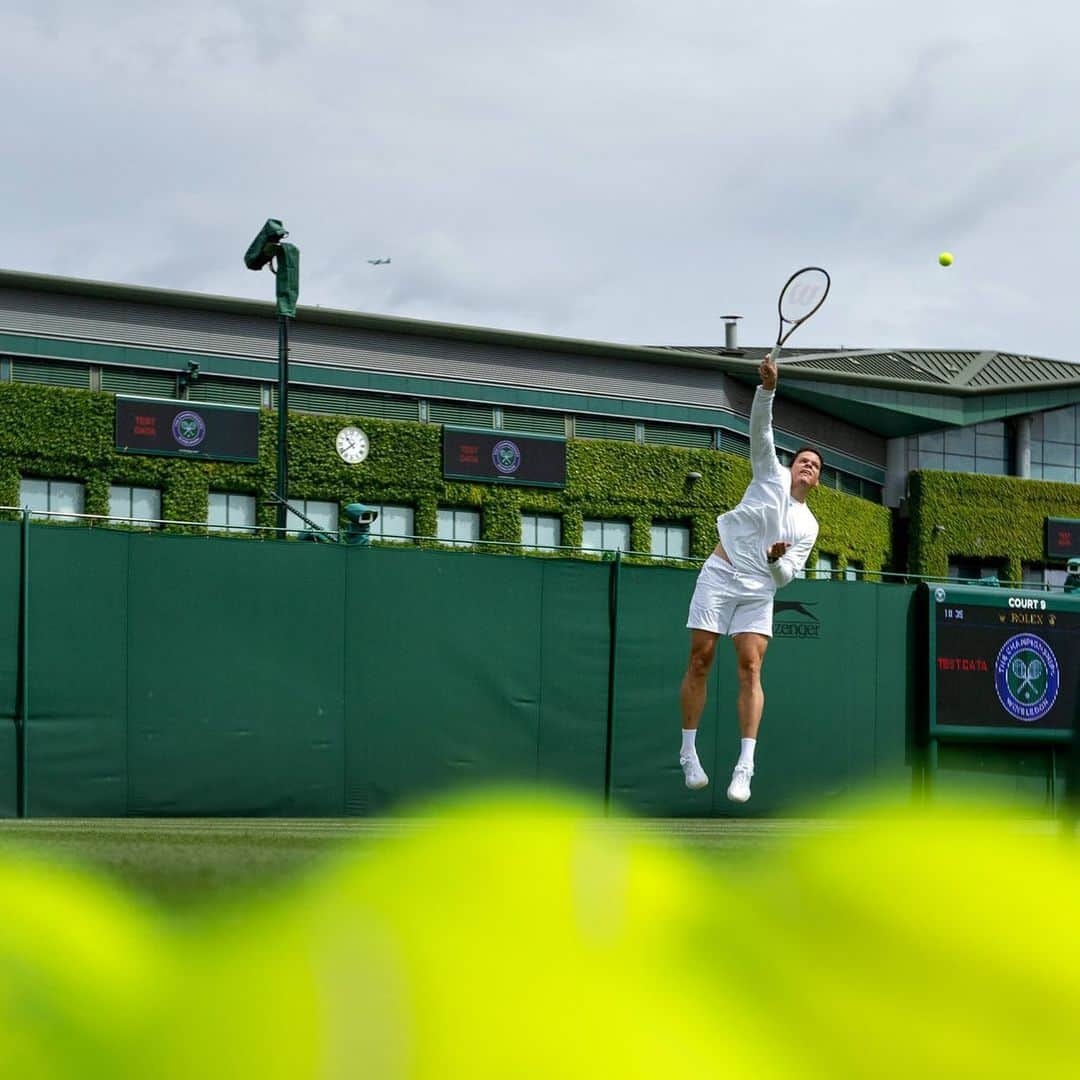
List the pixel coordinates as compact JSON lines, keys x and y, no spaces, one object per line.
{"x":767,"y":512}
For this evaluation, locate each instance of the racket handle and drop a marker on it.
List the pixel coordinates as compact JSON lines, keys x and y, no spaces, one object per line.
{"x":774,"y":353}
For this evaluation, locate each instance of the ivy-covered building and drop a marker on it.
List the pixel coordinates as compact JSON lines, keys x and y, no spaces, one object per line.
{"x":923,"y":450}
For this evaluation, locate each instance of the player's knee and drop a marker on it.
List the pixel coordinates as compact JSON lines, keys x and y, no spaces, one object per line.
{"x":701,"y":662}
{"x":749,"y":668}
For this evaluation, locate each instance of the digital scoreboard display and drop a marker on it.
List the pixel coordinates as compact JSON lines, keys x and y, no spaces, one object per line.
{"x":187,"y":429}
{"x":1062,"y":538}
{"x":1002,"y":662}
{"x":504,"y":457}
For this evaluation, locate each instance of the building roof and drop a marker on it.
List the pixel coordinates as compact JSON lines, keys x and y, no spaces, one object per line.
{"x":949,"y":370}
{"x":887,"y":391}
{"x":906,"y":391}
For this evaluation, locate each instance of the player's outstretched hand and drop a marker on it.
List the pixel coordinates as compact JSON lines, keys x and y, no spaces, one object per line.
{"x":768,"y":373}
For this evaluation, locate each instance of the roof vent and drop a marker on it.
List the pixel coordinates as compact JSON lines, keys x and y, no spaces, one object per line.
{"x":731,"y":336}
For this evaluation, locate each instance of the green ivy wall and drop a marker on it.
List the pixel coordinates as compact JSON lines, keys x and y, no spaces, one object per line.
{"x":68,"y":434}
{"x":983,"y":517}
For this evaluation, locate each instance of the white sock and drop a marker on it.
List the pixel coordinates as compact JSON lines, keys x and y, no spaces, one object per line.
{"x":688,"y":747}
{"x":746,"y":753}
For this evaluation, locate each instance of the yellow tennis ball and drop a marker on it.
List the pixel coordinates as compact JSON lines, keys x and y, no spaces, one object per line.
{"x":502,"y":937}
{"x":81,"y":962}
{"x":945,"y":258}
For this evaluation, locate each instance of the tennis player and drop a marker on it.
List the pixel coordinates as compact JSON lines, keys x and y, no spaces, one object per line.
{"x":764,"y":543}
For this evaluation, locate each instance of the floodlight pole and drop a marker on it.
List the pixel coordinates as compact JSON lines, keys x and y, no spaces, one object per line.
{"x":283,"y":424}
{"x":267,"y":247}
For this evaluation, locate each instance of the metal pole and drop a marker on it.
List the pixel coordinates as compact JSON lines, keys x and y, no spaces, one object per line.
{"x":283,"y":423}
{"x":613,"y":622}
{"x":24,"y":668}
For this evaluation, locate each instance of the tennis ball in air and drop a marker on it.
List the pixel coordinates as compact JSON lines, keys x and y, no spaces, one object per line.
{"x":945,"y":258}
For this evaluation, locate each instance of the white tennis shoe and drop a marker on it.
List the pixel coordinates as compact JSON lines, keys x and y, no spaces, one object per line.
{"x":739,"y":788}
{"x":693,"y":772}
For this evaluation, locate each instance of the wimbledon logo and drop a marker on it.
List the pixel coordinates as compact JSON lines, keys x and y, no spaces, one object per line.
{"x":188,"y":429}
{"x":1026,"y":677}
{"x":506,"y":456}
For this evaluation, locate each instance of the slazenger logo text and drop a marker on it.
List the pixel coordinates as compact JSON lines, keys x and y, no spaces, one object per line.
{"x":790,"y":627}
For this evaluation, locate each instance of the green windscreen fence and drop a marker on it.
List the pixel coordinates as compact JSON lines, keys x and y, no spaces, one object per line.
{"x":235,"y":664}
{"x":177,"y":675}
{"x":76,"y":736}
{"x":468,"y":668}
{"x":10,"y":555}
{"x":183,"y":675}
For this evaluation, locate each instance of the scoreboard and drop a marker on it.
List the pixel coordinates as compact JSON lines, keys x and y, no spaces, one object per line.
{"x":1062,"y":538}
{"x":1003,"y":664}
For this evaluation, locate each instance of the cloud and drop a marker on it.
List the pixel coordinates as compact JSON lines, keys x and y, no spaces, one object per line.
{"x":596,"y":169}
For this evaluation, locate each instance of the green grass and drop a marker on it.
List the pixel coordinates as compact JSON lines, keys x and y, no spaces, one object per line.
{"x":184,"y":863}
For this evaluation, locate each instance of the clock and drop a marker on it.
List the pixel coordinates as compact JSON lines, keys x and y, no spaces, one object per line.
{"x":352,"y":445}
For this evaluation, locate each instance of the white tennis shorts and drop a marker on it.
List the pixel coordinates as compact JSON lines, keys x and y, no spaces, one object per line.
{"x":726,"y":602}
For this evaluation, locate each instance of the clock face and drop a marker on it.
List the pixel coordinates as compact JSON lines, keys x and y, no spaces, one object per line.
{"x":352,"y":445}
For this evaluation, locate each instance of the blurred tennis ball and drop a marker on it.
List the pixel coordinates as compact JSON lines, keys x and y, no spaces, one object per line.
{"x":511,"y":937}
{"x":81,"y":963}
{"x":919,"y":943}
{"x":534,"y":940}
{"x":522,"y":937}
{"x":945,"y":258}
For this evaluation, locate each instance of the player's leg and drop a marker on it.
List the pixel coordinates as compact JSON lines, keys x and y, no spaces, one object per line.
{"x":695,"y":682}
{"x":749,"y":654}
{"x":711,"y":608}
{"x":692,"y":693}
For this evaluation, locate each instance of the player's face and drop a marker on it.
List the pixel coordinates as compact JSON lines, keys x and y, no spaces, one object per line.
{"x":807,"y":468}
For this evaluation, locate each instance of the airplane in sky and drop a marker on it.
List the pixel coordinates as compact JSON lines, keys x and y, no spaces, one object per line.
{"x":378,"y":262}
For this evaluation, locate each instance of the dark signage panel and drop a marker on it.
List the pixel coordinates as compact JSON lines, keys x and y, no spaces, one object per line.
{"x":503,"y":457}
{"x":187,"y":429}
{"x":1002,"y":660}
{"x":1062,"y":538}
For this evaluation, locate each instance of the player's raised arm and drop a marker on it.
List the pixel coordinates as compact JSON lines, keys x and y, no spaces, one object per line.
{"x":763,"y":457}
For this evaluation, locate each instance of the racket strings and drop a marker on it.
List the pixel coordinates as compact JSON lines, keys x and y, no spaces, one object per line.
{"x":803,"y":295}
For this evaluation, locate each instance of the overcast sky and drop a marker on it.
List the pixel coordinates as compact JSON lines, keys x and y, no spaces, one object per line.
{"x":623,"y":171}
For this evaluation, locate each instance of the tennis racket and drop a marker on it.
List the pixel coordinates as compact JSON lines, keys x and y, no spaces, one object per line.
{"x":803,"y":294}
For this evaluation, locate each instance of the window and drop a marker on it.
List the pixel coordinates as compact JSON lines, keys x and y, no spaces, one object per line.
{"x":539,"y":531}
{"x":395,"y":524}
{"x":134,"y":504}
{"x":824,"y":568}
{"x":669,"y":541}
{"x":324,"y":515}
{"x":974,"y":570}
{"x":1053,"y":445}
{"x":980,"y":448}
{"x":1060,"y":425}
{"x":1033,"y":576}
{"x":229,"y":512}
{"x":458,"y":526}
{"x":1055,"y":578}
{"x":54,"y":500}
{"x":852,"y":570}
{"x":605,"y":535}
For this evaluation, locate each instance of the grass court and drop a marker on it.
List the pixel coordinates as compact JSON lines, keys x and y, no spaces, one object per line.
{"x":181,"y":863}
